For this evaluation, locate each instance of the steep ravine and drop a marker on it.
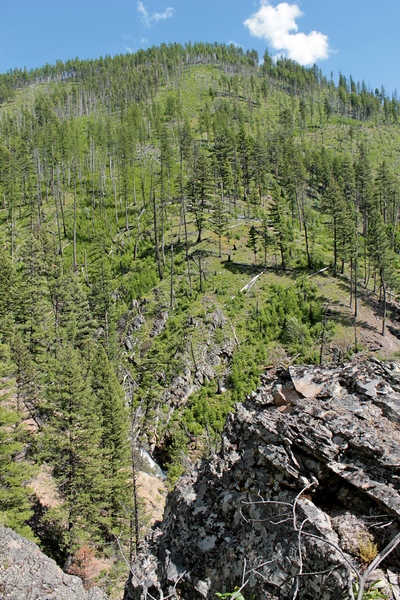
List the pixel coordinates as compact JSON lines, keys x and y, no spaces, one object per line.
{"x":307,"y":481}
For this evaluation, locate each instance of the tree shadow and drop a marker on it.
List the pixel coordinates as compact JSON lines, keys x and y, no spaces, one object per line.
{"x":240,"y":268}
{"x":344,"y":314}
{"x":251,"y":269}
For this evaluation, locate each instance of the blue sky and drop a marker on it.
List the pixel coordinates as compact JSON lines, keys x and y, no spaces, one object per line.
{"x":357,"y":37}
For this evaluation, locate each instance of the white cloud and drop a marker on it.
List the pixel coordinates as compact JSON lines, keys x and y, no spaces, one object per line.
{"x":143,"y":13}
{"x":167,"y":14}
{"x":148,"y":18}
{"x":276,"y":24}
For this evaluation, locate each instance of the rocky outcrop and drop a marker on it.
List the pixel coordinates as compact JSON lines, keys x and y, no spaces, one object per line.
{"x":199,"y":361}
{"x":27,"y":574}
{"x":307,"y":481}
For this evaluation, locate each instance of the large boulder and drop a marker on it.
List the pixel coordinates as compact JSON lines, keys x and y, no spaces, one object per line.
{"x":28,"y":574}
{"x":307,"y":481}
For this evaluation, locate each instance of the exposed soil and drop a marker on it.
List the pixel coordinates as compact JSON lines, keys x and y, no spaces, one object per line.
{"x":153,"y":493}
{"x":45,"y":488}
{"x":364,"y":331}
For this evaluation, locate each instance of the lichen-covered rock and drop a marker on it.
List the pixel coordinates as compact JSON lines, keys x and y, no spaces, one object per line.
{"x":179,"y":390}
{"x":28,"y":574}
{"x":307,"y":481}
{"x":159,"y":323}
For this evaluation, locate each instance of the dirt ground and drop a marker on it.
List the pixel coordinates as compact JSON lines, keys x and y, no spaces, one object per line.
{"x":365,"y":330}
{"x":153,"y":493}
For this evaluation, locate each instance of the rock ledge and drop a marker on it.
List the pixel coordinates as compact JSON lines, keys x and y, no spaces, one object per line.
{"x":315,"y":450}
{"x":28,"y":574}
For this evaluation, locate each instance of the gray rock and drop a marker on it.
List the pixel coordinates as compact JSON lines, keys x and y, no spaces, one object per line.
{"x":179,"y":390}
{"x":311,"y":461}
{"x":28,"y":574}
{"x":159,"y":323}
{"x":216,"y":319}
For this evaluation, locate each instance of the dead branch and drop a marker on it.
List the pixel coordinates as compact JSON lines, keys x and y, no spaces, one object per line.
{"x":147,"y":595}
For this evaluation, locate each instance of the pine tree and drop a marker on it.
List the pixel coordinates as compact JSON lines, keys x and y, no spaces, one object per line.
{"x":218,"y":220}
{"x":281,"y":227}
{"x":334,"y":204}
{"x":114,"y":440}
{"x":7,"y":278}
{"x":253,"y":242}
{"x":381,"y":256}
{"x":100,"y":297}
{"x":15,"y":506}
{"x":343,"y":171}
{"x":364,"y":191}
{"x":266,"y":235}
{"x":73,"y":319}
{"x":32,"y":307}
{"x":199,"y":188}
{"x":386,"y":193}
{"x":72,"y":444}
{"x":244,"y":153}
{"x":185,"y":152}
{"x":28,"y":380}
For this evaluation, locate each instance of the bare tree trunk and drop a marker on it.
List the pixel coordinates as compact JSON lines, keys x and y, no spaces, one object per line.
{"x":172,"y":295}
{"x":186,"y":245}
{"x":383,"y":283}
{"x":74,"y":234}
{"x":134,"y":518}
{"x":155,"y":222}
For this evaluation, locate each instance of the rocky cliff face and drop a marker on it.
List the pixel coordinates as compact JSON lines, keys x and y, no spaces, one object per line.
{"x":307,"y":481}
{"x":27,"y":574}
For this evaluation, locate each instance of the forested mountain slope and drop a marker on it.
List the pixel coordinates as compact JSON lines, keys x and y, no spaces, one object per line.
{"x":140,"y":198}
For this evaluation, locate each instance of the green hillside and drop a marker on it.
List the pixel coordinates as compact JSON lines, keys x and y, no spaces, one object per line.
{"x":172,"y":223}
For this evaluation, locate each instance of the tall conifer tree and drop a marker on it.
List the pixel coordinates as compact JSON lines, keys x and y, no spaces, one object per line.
{"x":15,"y":506}
{"x":73,"y":445}
{"x":114,"y":441}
